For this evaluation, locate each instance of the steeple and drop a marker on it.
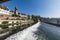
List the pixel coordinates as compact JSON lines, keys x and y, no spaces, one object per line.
{"x":16,"y":11}
{"x":16,"y":8}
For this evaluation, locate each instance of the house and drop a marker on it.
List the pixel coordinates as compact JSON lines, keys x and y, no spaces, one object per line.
{"x":22,"y":15}
{"x":4,"y":12}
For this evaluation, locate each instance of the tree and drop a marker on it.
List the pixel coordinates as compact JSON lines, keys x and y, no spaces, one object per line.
{"x":14,"y":15}
{"x":5,"y":22}
{"x":35,"y":18}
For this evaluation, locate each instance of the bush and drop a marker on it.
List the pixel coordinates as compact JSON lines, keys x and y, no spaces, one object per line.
{"x":13,"y":23}
{"x":4,"y":26}
{"x":5,"y":22}
{"x":14,"y":15}
{"x":17,"y":23}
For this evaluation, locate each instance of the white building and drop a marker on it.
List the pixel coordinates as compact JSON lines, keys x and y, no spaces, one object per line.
{"x":4,"y":10}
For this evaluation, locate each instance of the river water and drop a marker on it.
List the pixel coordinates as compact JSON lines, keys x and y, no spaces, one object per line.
{"x":39,"y":31}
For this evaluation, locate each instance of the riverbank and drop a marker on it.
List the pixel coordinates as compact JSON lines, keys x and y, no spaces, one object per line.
{"x":53,"y":24}
{"x":26,"y":34}
{"x":9,"y":33}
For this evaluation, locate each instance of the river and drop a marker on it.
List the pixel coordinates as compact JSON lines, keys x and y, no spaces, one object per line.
{"x":39,"y":31}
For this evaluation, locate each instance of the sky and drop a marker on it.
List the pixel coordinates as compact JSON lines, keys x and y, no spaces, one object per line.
{"x":44,"y":8}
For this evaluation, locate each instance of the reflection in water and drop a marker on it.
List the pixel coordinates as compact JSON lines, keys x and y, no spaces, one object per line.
{"x":31,"y":33}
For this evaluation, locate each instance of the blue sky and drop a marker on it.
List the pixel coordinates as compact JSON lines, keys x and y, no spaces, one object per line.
{"x":45,"y":8}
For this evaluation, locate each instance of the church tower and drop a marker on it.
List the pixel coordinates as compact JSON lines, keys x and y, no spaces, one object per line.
{"x":16,"y":11}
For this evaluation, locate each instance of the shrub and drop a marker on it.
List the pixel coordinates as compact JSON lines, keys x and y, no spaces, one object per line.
{"x":17,"y":23}
{"x":4,"y":26}
{"x":5,"y":22}
{"x":13,"y":23}
{"x":14,"y":15}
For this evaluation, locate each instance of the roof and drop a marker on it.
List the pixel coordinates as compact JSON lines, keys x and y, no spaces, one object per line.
{"x":23,"y":14}
{"x":1,"y":1}
{"x":4,"y":7}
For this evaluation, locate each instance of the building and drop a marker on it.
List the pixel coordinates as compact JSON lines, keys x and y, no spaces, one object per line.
{"x":16,"y":11}
{"x":4,"y":10}
{"x":5,"y":13}
{"x":23,"y":16}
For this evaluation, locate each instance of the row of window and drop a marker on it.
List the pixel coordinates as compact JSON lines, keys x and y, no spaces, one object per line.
{"x":4,"y":11}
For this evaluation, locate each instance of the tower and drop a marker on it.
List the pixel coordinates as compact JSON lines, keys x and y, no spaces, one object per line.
{"x":16,"y":11}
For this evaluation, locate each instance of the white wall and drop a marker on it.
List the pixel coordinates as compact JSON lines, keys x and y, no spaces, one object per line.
{"x":2,"y":11}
